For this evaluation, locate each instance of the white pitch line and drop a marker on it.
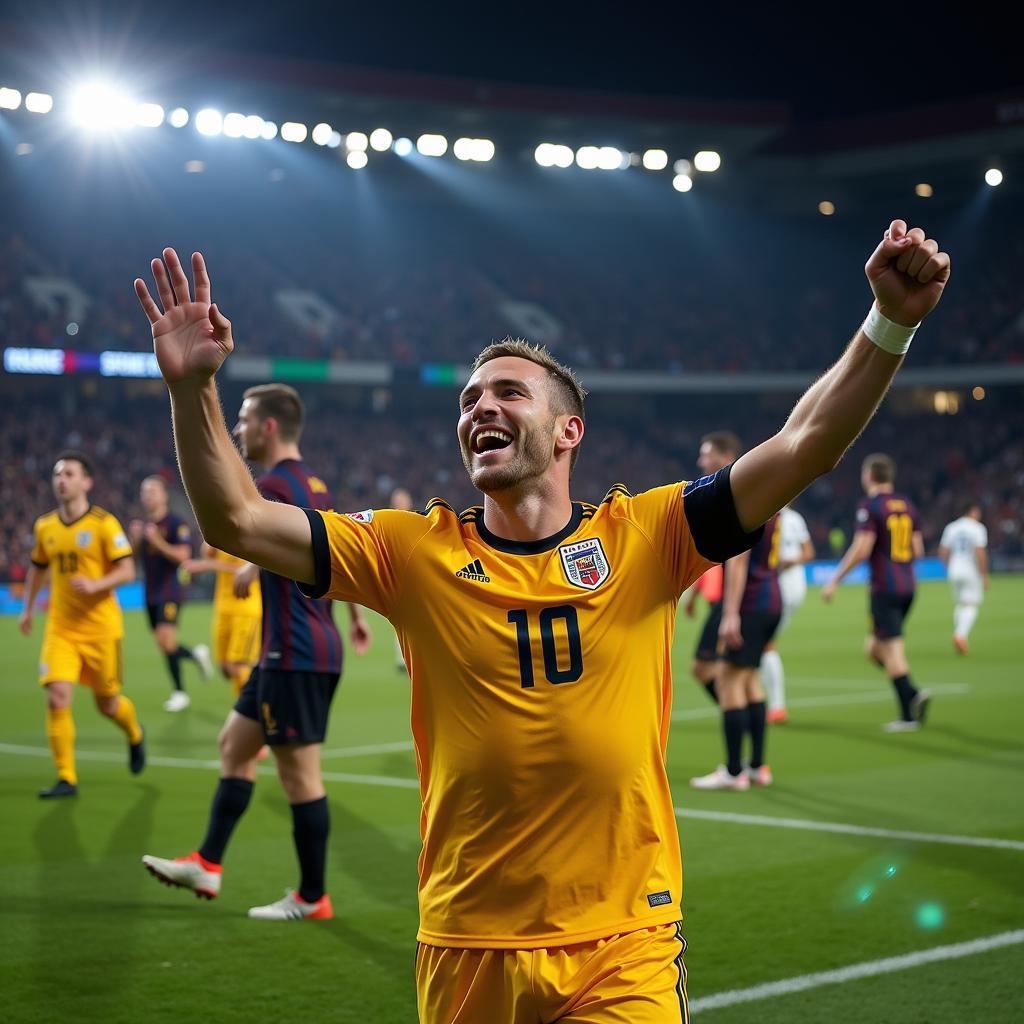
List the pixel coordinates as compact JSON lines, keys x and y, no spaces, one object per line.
{"x":369,"y":748}
{"x":841,"y":828}
{"x":831,"y":700}
{"x":868,"y":969}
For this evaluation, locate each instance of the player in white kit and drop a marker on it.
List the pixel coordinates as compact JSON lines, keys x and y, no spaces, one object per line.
{"x":795,"y":549}
{"x":963,"y":548}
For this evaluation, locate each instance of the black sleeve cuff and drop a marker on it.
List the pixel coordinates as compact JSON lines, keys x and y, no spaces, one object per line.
{"x":40,"y":565}
{"x":321,"y":557}
{"x":711,"y":515}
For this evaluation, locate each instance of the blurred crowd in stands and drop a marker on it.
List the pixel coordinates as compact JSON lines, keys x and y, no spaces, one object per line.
{"x":776,"y":308}
{"x":944,"y":462}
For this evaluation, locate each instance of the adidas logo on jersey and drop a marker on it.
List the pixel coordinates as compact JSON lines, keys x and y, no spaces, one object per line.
{"x":475,"y":572}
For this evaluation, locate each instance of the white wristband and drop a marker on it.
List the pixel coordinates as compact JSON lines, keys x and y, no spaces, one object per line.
{"x":888,"y":336}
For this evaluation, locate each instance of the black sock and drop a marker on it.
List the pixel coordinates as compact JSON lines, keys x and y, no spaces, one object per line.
{"x":174,"y":667}
{"x":757,"y":712}
{"x":735,"y":723}
{"x":711,"y":691}
{"x":311,"y":824}
{"x":905,"y":692}
{"x":229,"y":803}
{"x":185,"y":652}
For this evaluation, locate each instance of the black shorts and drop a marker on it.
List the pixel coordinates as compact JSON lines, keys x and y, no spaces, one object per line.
{"x":707,"y":643}
{"x":758,"y":629}
{"x":887,"y":614}
{"x":292,"y":707}
{"x":164,"y":614}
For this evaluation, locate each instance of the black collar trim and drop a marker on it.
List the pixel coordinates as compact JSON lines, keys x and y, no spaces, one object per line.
{"x":530,"y":547}
{"x":77,"y":519}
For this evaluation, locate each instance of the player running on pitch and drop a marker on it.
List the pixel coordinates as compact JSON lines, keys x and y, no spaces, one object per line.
{"x":964,"y":548}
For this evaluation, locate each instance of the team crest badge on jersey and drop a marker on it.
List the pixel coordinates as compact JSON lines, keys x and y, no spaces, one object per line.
{"x":84,"y":538}
{"x":366,"y":516}
{"x":585,"y":563}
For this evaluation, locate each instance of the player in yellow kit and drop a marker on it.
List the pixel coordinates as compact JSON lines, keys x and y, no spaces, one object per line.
{"x":538,"y":635}
{"x":237,"y":613}
{"x":83,"y":550}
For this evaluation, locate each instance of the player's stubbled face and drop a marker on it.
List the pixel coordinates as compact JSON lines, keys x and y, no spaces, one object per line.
{"x":248,"y":432}
{"x":506,"y":427}
{"x":710,"y":459}
{"x":69,"y":480}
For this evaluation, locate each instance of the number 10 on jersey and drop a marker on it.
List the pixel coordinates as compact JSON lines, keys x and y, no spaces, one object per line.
{"x":565,"y":616}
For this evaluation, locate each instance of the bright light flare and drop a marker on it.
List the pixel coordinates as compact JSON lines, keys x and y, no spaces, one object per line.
{"x":655,"y":160}
{"x":209,"y":121}
{"x":10,"y":99}
{"x":39,"y":102}
{"x":381,"y":140}
{"x":707,"y":161}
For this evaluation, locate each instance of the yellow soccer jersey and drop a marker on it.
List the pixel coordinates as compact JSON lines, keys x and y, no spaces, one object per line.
{"x":224,"y":600}
{"x":541,"y":698}
{"x":88,"y":547}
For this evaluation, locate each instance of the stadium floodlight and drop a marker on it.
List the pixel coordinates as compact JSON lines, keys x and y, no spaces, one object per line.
{"x":149,"y":115}
{"x":479,"y":150}
{"x":209,"y":121}
{"x":682,"y":183}
{"x":924,"y":190}
{"x":357,"y":159}
{"x":826,"y":208}
{"x":432,"y":145}
{"x":99,"y":106}
{"x":587,"y":157}
{"x":39,"y":102}
{"x":334,"y":141}
{"x":381,"y":139}
{"x":234,"y":125}
{"x":356,"y":142}
{"x":178,"y":117}
{"x":402,"y":147}
{"x":655,"y":160}
{"x":253,"y":128}
{"x":683,"y":167}
{"x":10,"y":99}
{"x":268,"y":131}
{"x":294,"y":131}
{"x":707,"y":161}
{"x":993,"y":176}
{"x":321,"y":133}
{"x":611,"y":159}
{"x":544,"y":154}
{"x":194,"y":167}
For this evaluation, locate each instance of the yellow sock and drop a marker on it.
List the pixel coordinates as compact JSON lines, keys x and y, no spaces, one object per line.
{"x":127,"y":719}
{"x":60,"y":731}
{"x":240,"y":676}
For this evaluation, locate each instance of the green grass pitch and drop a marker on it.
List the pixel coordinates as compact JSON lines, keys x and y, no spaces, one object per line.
{"x":88,"y":936}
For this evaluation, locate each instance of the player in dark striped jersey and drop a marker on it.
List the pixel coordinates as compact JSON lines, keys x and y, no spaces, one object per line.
{"x":887,"y":534}
{"x":751,"y":610}
{"x":163,"y":541}
{"x":287,"y":700}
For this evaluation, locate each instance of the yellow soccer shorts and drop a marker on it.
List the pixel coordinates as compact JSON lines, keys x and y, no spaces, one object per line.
{"x":97,"y":664}
{"x":236,"y":638}
{"x":634,"y":978}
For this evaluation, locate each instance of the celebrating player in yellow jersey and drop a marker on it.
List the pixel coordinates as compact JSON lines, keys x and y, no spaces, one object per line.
{"x":237,"y":611}
{"x":85,"y":553}
{"x":538,"y":633}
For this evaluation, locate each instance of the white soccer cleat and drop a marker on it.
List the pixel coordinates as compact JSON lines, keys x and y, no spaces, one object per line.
{"x":760,"y":776}
{"x":178,"y":701}
{"x":201,"y":652}
{"x":291,"y":907}
{"x":721,"y":779}
{"x":191,"y":872}
{"x":900,"y":726}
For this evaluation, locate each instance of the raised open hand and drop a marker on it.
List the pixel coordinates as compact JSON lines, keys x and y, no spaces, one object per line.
{"x":907,"y":273}
{"x":190,"y":338}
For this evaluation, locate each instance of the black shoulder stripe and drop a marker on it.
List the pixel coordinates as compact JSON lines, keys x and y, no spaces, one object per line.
{"x":617,"y":489}
{"x":470,"y":514}
{"x":436,"y":503}
{"x":98,"y":513}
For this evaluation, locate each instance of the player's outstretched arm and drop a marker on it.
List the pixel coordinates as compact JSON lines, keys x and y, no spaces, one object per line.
{"x":907,"y":273}
{"x":857,"y":552}
{"x":192,"y":338}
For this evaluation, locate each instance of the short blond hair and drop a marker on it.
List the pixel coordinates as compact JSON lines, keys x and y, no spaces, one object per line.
{"x":566,"y":390}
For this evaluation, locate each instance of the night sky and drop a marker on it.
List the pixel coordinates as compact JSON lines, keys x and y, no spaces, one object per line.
{"x":824,"y":60}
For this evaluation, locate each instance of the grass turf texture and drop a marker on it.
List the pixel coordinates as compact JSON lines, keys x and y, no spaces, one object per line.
{"x":89,"y":936}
